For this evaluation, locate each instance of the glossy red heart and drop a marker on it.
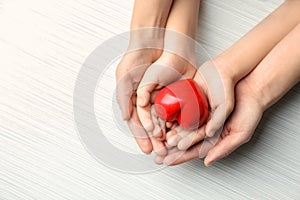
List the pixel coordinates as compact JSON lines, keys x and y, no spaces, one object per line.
{"x":182,"y":101}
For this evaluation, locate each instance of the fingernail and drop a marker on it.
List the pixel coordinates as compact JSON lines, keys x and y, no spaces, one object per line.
{"x":182,"y":146}
{"x":146,"y":149}
{"x":124,"y":114}
{"x":168,"y":160}
{"x":210,"y":133}
{"x":125,"y":117}
{"x":172,"y":141}
{"x":162,"y":152}
{"x":159,"y":160}
{"x":208,"y":163}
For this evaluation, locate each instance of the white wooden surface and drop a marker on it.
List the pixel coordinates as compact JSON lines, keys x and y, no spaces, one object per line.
{"x":42,"y":47}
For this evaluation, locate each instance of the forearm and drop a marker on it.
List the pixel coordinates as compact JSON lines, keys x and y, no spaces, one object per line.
{"x":184,"y":17}
{"x":278,"y":72}
{"x":245,"y":54}
{"x":149,"y":18}
{"x":181,"y":28}
{"x":150,"y":13}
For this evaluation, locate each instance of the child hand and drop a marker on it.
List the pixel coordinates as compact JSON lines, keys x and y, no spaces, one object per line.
{"x":167,"y":69}
{"x":144,"y":48}
{"x":128,"y":75}
{"x":180,"y":31}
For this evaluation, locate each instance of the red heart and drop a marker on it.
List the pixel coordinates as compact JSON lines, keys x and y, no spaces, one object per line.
{"x":182,"y":101}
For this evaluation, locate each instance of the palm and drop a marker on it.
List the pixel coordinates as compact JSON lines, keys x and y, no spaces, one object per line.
{"x":237,"y":131}
{"x":240,"y":126}
{"x":220,"y":92}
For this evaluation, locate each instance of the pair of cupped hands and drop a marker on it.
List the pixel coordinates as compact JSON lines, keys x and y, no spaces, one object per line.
{"x":142,"y":73}
{"x":240,"y":84}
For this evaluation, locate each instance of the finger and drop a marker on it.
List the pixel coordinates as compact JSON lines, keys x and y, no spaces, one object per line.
{"x":124,"y":91}
{"x":144,"y":114}
{"x":212,"y":82}
{"x":170,"y":134}
{"x":159,"y":159}
{"x":173,"y":140}
{"x":237,"y":131}
{"x":199,"y":150}
{"x":158,"y":125}
{"x":208,"y":143}
{"x":217,"y":120}
{"x":156,"y":130}
{"x":181,"y":133}
{"x":153,"y":96}
{"x":224,"y":147}
{"x":174,"y":125}
{"x":158,"y":147}
{"x":163,"y":128}
{"x":154,"y":78}
{"x":128,"y":76}
{"x":191,"y":139}
{"x":173,"y":150}
{"x":158,"y":75}
{"x":144,"y":92}
{"x":133,"y":100}
{"x":182,"y":156}
{"x":169,"y":124}
{"x":139,"y":133}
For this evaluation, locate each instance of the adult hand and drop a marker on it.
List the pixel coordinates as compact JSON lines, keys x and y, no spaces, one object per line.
{"x":237,"y":131}
{"x":237,"y":62}
{"x":270,"y":80}
{"x":219,"y":88}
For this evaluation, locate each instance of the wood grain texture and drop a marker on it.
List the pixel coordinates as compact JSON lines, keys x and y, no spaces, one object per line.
{"x":43,"y":45}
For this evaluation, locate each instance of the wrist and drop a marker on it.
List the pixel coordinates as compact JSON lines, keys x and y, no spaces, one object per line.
{"x":146,"y":38}
{"x":266,"y":90}
{"x":180,"y":44}
{"x":247,"y":90}
{"x":258,"y":91}
{"x":148,"y":22}
{"x":228,"y":67}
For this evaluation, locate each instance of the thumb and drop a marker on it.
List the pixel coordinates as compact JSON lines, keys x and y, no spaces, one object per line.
{"x":217,"y":120}
{"x":237,"y":131}
{"x":124,"y":93}
{"x":148,"y":83}
{"x":157,"y":75}
{"x":144,"y":93}
{"x":145,"y":88}
{"x":224,"y":147}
